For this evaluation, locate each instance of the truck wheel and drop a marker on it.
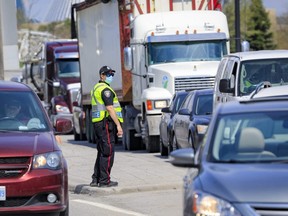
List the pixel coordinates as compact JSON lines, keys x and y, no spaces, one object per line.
{"x":163,"y":149}
{"x":82,"y":133}
{"x":132,"y":142}
{"x":76,"y":136}
{"x":151,"y":142}
{"x":87,"y":114}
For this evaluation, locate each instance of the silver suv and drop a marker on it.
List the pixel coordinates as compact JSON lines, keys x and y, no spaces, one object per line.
{"x":239,"y":74}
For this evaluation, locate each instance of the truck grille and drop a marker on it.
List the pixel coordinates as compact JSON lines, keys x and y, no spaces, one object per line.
{"x":193,"y":83}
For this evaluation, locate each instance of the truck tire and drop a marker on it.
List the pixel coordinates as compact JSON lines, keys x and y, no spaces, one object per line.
{"x":76,"y":136}
{"x":152,"y":143}
{"x":89,"y":128}
{"x":132,"y":142}
{"x":82,"y":134}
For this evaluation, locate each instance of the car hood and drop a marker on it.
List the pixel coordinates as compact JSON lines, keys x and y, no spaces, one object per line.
{"x":247,"y":182}
{"x":26,"y":144}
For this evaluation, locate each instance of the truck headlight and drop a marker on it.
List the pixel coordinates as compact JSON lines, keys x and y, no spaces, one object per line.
{"x":206,"y":204}
{"x":201,"y":129}
{"x":51,"y":160}
{"x":160,"y":104}
{"x":62,"y":109}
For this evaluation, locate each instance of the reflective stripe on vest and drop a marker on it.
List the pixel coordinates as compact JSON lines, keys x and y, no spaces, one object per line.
{"x":99,"y":110}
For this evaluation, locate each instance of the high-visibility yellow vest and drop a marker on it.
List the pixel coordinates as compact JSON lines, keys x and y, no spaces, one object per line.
{"x":99,"y":111}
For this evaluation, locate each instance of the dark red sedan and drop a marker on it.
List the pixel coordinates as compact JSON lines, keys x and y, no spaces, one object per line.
{"x":33,"y":171}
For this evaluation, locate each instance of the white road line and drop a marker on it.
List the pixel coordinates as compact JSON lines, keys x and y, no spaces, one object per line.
{"x":108,"y":207}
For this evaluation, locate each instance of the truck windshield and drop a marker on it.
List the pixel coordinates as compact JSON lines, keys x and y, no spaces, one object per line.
{"x":68,"y":68}
{"x":186,"y":51}
{"x":252,"y":73}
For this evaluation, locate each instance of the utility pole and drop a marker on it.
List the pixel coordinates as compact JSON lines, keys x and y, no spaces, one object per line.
{"x":9,"y":60}
{"x":237,"y":26}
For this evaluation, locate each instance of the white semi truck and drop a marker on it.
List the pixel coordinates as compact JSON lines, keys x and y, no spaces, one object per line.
{"x":157,"y":48}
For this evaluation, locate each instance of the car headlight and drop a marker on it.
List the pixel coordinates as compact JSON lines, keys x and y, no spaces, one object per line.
{"x":208,"y":205}
{"x":201,"y":129}
{"x":51,"y":160}
{"x":62,"y":109}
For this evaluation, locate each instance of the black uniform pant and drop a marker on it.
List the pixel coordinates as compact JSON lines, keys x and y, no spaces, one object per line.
{"x":105,"y":140}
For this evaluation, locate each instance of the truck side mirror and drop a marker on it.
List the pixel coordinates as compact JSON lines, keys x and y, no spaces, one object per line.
{"x":224,"y":86}
{"x":128,"y":63}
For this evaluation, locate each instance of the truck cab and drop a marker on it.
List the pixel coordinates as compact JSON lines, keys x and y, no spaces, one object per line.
{"x":58,"y":78}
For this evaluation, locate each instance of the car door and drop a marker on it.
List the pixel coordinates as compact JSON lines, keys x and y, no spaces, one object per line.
{"x":165,"y":119}
{"x":182,"y":122}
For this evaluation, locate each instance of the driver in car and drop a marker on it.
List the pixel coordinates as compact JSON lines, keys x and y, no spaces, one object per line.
{"x":12,"y":110}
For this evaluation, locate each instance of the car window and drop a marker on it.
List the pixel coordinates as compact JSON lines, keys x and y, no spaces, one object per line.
{"x":204,"y":105}
{"x":186,"y":103}
{"x":20,"y":111}
{"x":252,"y":73}
{"x":178,"y":102}
{"x":251,"y":137}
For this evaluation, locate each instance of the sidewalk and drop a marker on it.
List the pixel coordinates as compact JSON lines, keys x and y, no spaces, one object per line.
{"x":133,"y":170}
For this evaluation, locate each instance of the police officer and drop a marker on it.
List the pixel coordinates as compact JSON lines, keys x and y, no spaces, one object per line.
{"x":106,"y":118}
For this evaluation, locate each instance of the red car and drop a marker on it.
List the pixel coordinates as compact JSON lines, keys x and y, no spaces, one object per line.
{"x":33,"y":171}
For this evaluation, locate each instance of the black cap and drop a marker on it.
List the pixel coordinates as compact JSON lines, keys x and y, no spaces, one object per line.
{"x":105,"y":70}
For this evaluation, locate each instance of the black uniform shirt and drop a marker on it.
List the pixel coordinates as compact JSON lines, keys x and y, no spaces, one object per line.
{"x":107,"y":96}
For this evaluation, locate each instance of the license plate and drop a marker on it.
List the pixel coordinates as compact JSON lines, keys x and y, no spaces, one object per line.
{"x":2,"y":193}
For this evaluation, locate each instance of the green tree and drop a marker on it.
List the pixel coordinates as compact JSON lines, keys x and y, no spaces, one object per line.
{"x":258,"y":27}
{"x":254,"y":24}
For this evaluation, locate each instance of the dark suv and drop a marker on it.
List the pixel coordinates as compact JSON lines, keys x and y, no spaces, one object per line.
{"x":241,"y":166}
{"x":33,"y":171}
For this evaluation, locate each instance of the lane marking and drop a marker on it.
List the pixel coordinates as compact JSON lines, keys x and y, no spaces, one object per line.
{"x":109,"y":207}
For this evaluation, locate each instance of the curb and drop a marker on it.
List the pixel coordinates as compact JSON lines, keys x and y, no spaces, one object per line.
{"x":86,"y":189}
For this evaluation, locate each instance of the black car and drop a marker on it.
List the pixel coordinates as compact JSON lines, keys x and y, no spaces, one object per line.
{"x":240,"y":168}
{"x":166,"y":121}
{"x":192,"y":119}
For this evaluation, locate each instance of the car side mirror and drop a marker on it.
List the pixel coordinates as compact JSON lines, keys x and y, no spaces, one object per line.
{"x":224,"y":86}
{"x":184,"y":111}
{"x":165,"y":110}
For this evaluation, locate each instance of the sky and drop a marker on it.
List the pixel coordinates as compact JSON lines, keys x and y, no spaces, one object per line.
{"x":56,"y":10}
{"x":280,"y":6}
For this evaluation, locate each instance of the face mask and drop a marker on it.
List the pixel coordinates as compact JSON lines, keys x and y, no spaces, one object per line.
{"x":109,"y":79}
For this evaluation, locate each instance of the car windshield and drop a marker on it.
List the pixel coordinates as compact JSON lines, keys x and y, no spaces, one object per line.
{"x":250,"y":137}
{"x":160,"y":53}
{"x":254,"y":72}
{"x":19,"y":111}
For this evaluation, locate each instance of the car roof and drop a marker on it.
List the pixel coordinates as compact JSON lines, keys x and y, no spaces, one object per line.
{"x":253,"y":105}
{"x":261,"y":54}
{"x":13,"y":86}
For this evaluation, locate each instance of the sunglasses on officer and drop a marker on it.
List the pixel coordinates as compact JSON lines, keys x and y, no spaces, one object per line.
{"x":109,"y":74}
